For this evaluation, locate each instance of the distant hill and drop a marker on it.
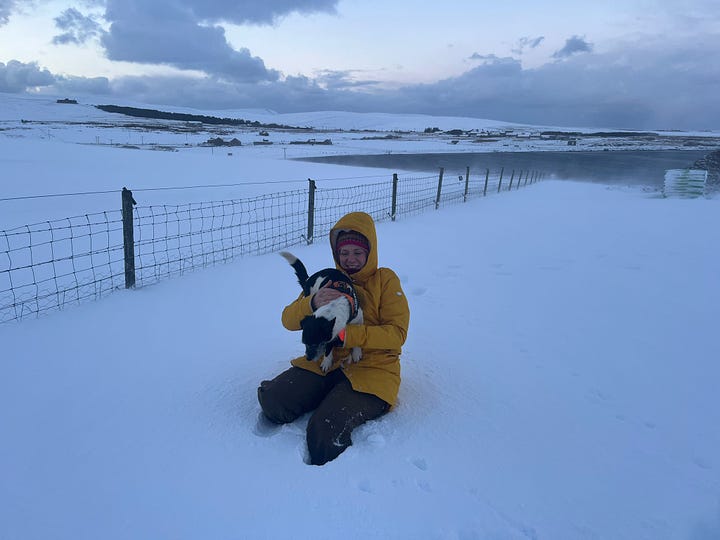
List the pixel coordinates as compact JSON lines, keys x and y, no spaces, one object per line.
{"x":186,"y":117}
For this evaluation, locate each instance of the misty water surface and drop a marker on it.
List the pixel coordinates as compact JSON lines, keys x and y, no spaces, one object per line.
{"x":636,"y":167}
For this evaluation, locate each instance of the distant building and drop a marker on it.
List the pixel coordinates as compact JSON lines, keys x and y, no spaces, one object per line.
{"x":66,"y":100}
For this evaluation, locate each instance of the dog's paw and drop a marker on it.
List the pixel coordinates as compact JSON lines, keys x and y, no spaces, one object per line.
{"x":355,"y":354}
{"x":326,"y":363}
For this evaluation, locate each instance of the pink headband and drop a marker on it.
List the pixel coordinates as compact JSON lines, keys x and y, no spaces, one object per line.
{"x":352,"y":239}
{"x":352,"y":242}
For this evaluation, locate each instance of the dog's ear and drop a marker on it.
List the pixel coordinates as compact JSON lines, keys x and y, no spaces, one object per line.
{"x":305,"y":320}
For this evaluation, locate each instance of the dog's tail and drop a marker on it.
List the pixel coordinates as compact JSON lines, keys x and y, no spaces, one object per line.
{"x":300,"y":270}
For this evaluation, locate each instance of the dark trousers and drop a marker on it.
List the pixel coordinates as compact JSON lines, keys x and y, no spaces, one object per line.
{"x":338,"y":408}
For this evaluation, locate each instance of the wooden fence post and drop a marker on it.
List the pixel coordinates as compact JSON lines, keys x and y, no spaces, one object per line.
{"x":311,"y":210}
{"x":128,"y":237}
{"x":393,"y":208}
{"x":437,"y":197}
{"x":500,"y":182}
{"x":487,"y":177}
{"x":526,"y":179}
{"x":519,"y":180}
{"x":512,"y":177}
{"x":467,"y":183}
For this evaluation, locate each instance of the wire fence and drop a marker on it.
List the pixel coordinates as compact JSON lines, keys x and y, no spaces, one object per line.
{"x":50,"y":265}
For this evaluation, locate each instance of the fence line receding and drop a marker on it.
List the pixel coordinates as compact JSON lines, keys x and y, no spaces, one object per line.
{"x":47,"y":266}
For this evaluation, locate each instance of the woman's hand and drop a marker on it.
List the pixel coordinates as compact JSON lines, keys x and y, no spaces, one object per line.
{"x":324,"y":296}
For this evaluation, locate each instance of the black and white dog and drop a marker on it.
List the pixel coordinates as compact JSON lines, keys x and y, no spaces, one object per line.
{"x":321,"y":330}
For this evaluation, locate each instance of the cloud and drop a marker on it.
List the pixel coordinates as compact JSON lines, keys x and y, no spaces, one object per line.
{"x":663,"y":82}
{"x":653,"y":84}
{"x":335,"y":79}
{"x":253,"y":11}
{"x":17,"y":76}
{"x":656,"y":84}
{"x":78,"y":27}
{"x":291,"y":94}
{"x":497,"y":62}
{"x":573,"y":45}
{"x":185,"y":34}
{"x":481,"y":57}
{"x":531,"y":42}
{"x":527,"y":43}
{"x":6,"y":8}
{"x":82,"y":85}
{"x":185,"y":45}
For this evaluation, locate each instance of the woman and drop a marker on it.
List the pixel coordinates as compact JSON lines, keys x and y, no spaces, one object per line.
{"x":347,"y":395}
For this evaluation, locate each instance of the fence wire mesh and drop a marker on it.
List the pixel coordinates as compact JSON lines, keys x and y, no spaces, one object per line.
{"x":50,"y":265}
{"x":170,"y":240}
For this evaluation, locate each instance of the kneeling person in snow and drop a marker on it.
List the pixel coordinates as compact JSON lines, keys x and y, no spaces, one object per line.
{"x":349,"y":394}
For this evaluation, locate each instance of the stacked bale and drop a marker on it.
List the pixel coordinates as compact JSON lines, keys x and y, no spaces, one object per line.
{"x":684,"y":183}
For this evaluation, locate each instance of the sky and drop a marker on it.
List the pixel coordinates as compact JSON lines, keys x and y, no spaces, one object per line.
{"x":559,"y":380}
{"x":638,"y":64}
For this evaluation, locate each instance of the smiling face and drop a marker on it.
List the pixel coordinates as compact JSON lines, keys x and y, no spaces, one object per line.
{"x":352,"y":258}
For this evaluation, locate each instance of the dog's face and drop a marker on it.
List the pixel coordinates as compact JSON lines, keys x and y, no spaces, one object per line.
{"x":317,"y":332}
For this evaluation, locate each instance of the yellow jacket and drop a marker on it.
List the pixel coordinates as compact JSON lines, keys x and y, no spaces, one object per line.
{"x":386,"y":318}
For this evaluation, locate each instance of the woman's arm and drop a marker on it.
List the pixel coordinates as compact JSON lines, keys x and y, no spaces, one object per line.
{"x":394,"y":319}
{"x":296,"y":312}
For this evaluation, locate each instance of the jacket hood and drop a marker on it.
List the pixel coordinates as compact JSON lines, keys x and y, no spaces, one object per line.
{"x":364,"y":224}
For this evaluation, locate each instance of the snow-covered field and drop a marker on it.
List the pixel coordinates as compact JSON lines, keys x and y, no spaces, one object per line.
{"x":350,"y":133}
{"x":559,"y":379}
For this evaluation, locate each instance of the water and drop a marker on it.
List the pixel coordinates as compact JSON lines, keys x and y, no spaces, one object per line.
{"x":634,"y":167}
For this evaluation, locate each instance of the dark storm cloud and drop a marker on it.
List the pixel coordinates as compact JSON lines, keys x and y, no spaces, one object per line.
{"x":183,"y":44}
{"x":78,"y":28}
{"x":17,"y":76}
{"x":291,"y":94}
{"x":184,"y":33}
{"x":653,"y":85}
{"x":574,"y":45}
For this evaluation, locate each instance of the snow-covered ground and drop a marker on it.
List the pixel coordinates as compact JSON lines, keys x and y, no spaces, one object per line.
{"x":559,"y":379}
{"x":350,"y":133}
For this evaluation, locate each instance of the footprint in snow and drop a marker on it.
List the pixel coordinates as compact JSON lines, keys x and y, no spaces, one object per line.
{"x":425,"y":486}
{"x":264,"y":427}
{"x":420,"y":463}
{"x":376,"y":440}
{"x":702,"y":463}
{"x":365,"y":486}
{"x":596,"y":394}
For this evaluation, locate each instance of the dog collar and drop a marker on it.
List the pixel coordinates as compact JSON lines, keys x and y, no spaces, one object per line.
{"x":349,"y":293}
